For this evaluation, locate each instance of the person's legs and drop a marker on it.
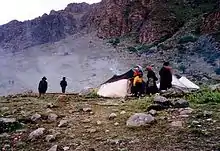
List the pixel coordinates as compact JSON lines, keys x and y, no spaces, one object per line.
{"x":63,"y":89}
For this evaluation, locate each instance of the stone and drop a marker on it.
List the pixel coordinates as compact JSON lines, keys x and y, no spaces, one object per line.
{"x":50,"y":138}
{"x":91,"y":130}
{"x":48,"y":110}
{"x":86,"y":120}
{"x":116,"y":124}
{"x":8,"y":120}
{"x":66,"y":148}
{"x":157,"y":107}
{"x":195,"y":122}
{"x":180,"y":103}
{"x":3,"y":109}
{"x":36,"y":134}
{"x":112,"y":116}
{"x":186,"y":111}
{"x":207,"y":113}
{"x":161,"y":100}
{"x":53,"y":148}
{"x":35,"y":117}
{"x":63,"y":123}
{"x":106,"y":131}
{"x":98,"y":122}
{"x":184,"y":116}
{"x":209,"y":120}
{"x":50,"y":105}
{"x":153,"y":112}
{"x":87,"y":109}
{"x":52,"y":117}
{"x":91,"y":149}
{"x":140,"y":119}
{"x":177,"y":124}
{"x":122,"y":112}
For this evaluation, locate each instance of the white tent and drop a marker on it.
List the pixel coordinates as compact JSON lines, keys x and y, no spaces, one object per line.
{"x":117,"y":89}
{"x":183,"y":83}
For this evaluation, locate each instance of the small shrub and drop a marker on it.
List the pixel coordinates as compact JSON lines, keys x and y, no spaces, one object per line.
{"x":186,"y":39}
{"x":114,"y":42}
{"x":132,"y":49}
{"x":204,"y":96}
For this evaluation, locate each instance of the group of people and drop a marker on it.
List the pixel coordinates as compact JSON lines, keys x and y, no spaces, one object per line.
{"x":139,"y":86}
{"x":43,"y":85}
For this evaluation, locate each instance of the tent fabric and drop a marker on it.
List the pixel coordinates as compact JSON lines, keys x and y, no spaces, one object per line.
{"x":126,"y":75}
{"x":188,"y":83}
{"x":183,"y":83}
{"x":117,"y":89}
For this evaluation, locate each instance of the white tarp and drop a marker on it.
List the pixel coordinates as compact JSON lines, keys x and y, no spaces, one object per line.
{"x":183,"y":82}
{"x":118,"y":89}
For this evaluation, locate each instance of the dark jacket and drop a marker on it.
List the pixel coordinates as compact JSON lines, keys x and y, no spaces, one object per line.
{"x":151,"y":86}
{"x":165,"y":78}
{"x":42,"y":88}
{"x":63,"y":83}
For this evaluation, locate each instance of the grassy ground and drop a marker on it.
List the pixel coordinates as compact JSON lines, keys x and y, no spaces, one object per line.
{"x":108,"y":136}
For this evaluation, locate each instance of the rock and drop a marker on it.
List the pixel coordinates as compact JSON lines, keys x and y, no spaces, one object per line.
{"x":181,"y":103}
{"x":207,"y":113}
{"x":91,"y":149}
{"x":66,"y":148}
{"x":52,"y":117}
{"x":177,"y":124}
{"x":184,"y":116}
{"x":3,"y":109}
{"x":186,"y":111}
{"x":161,"y":100}
{"x":50,"y":105}
{"x":91,"y":130}
{"x":114,"y":141}
{"x":153,"y":112}
{"x":140,"y":119}
{"x":36,"y":134}
{"x":87,"y":109}
{"x":63,"y":123}
{"x":112,"y":116}
{"x":54,"y":148}
{"x":122,"y":112}
{"x":35,"y":117}
{"x":209,"y":120}
{"x":50,"y":138}
{"x":8,"y":120}
{"x":106,"y":131}
{"x":48,"y":110}
{"x":195,"y":122}
{"x":86,"y":121}
{"x":98,"y":122}
{"x":116,"y":124}
{"x":157,"y":107}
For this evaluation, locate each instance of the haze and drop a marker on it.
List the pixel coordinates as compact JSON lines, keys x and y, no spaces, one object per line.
{"x":28,"y":9}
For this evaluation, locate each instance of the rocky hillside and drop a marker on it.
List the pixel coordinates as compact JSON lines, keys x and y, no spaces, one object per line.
{"x":48,"y":28}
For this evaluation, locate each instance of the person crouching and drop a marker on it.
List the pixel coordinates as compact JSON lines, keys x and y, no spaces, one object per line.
{"x":138,"y":85}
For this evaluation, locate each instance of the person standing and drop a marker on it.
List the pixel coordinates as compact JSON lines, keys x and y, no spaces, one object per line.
{"x":165,"y":77}
{"x":63,"y":85}
{"x":138,"y":85}
{"x":151,"y":86}
{"x":42,"y":87}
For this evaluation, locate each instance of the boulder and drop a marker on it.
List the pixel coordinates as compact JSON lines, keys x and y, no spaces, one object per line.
{"x":36,"y":134}
{"x":157,"y":107}
{"x":52,"y":117}
{"x":63,"y":123}
{"x":53,"y":148}
{"x":112,"y":116}
{"x":161,"y":100}
{"x":50,"y":138}
{"x":180,"y":103}
{"x":35,"y":117}
{"x":140,"y":119}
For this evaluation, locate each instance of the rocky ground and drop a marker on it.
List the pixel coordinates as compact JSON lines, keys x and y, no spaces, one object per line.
{"x":88,"y":123}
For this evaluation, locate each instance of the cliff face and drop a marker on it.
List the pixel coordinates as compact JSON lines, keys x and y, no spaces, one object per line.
{"x":49,"y":28}
{"x":151,"y":20}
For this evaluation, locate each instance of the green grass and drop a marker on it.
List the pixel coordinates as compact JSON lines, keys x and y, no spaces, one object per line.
{"x":204,"y":96}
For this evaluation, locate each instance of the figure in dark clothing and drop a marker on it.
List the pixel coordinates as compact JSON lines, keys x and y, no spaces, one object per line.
{"x":63,"y":85}
{"x":42,"y":88}
{"x":165,"y":77}
{"x":151,"y":86}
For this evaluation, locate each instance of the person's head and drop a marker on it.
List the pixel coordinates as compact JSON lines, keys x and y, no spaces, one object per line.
{"x":149,"y":68}
{"x":64,"y":78}
{"x":166,"y":63}
{"x":44,"y":78}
